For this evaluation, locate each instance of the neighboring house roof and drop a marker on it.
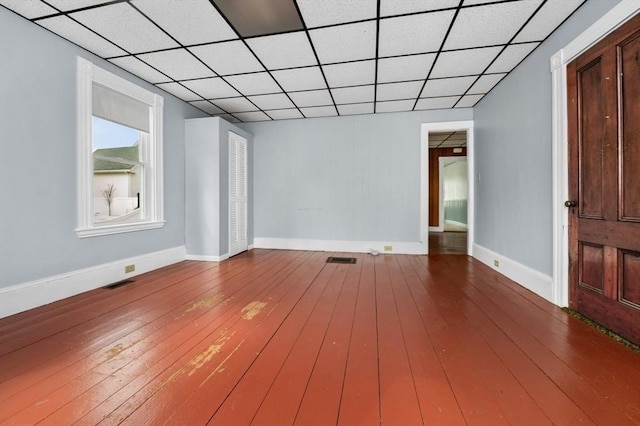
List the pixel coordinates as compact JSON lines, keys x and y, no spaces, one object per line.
{"x":125,"y":153}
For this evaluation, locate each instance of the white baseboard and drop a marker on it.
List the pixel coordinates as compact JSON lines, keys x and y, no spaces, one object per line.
{"x":343,"y":246}
{"x":453,"y":222}
{"x":25,"y":296}
{"x":531,"y":279}
{"x":436,"y":229}
{"x":207,"y":258}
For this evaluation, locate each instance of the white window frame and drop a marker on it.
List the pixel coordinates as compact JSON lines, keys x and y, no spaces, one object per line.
{"x":152,"y":196}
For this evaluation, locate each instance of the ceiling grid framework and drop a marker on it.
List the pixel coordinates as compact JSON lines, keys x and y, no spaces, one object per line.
{"x":257,"y":60}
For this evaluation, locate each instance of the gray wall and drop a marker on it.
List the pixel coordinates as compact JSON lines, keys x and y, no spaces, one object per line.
{"x":513,"y":152}
{"x":38,"y":161}
{"x":353,"y":178}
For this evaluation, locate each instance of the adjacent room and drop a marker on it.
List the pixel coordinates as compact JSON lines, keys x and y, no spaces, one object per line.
{"x":319,"y":212}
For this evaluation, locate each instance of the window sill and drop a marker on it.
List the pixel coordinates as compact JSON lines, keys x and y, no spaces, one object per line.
{"x":117,"y":229}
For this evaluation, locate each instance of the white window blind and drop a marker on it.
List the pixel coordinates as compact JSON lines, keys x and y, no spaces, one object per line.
{"x":120,"y":108}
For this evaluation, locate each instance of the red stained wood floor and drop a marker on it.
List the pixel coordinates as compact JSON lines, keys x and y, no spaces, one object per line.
{"x":281,"y":337}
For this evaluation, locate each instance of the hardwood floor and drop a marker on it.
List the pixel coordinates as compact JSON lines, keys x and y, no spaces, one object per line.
{"x":281,"y":337}
{"x":448,"y":243}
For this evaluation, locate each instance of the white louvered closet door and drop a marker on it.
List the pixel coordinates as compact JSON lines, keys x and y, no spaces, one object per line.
{"x":237,"y":194}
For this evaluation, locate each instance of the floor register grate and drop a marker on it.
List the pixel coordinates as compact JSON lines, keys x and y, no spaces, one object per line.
{"x":344,"y":260}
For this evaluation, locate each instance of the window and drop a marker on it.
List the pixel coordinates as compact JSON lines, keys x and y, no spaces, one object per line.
{"x":119,"y":154}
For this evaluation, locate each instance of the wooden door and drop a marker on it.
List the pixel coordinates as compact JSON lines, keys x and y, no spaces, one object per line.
{"x":237,"y":194}
{"x":604,"y":181}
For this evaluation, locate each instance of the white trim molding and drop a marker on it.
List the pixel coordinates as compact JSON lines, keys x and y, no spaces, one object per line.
{"x":25,"y":296}
{"x":617,"y":16}
{"x":202,"y":258}
{"x":340,"y":246}
{"x":530,"y":279}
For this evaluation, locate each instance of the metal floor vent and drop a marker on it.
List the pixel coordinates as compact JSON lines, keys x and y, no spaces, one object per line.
{"x":118,"y":284}
{"x":348,"y":260}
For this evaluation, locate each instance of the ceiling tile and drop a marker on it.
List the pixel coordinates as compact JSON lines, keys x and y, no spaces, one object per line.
{"x":76,"y":33}
{"x":393,"y":91}
{"x":207,"y":107}
{"x":234,"y":105}
{"x":323,"y":111}
{"x":275,"y":101}
{"x":180,"y":91}
{"x":300,"y":79}
{"x":464,"y":62}
{"x":356,"y":41}
{"x":350,"y":74}
{"x":399,"y":7}
{"x":284,"y":114}
{"x":511,"y":57}
{"x":415,"y":67}
{"x":29,"y":9}
{"x":231,"y":57}
{"x":489,"y":25}
{"x":468,"y":101}
{"x":178,"y":64}
{"x":413,"y":34}
{"x":394,"y":106}
{"x":547,"y":19}
{"x":353,"y":95}
{"x":259,"y":17}
{"x":254,"y":84}
{"x":356,"y":109}
{"x":211,"y":88}
{"x":447,"y":87}
{"x":317,"y":13}
{"x":192,"y":23}
{"x":67,"y":5}
{"x":139,"y":68}
{"x":311,"y":98}
{"x":437,"y":103}
{"x":252,"y":116}
{"x":283,"y":50}
{"x":126,"y":27}
{"x":230,"y":118}
{"x":476,"y":2}
{"x":485,"y":83}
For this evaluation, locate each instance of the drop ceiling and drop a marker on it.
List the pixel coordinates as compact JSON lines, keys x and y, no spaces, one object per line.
{"x":448,"y":139}
{"x":258,"y":60}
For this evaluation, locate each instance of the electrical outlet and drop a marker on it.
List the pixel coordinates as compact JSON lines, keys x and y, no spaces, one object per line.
{"x":388,"y":248}
{"x":129,"y":268}
{"x":496,"y":263}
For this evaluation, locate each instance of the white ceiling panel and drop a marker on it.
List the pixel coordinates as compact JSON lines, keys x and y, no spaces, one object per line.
{"x":547,"y":19}
{"x":399,"y":7}
{"x":283,"y":50}
{"x":211,"y":88}
{"x":447,"y":87}
{"x":311,"y":98}
{"x":351,"y":74}
{"x":404,"y":68}
{"x":437,"y":103}
{"x":323,"y":111}
{"x":275,"y":101}
{"x":180,"y":91}
{"x":284,"y":114}
{"x":300,"y":79}
{"x":233,"y":105}
{"x":413,"y":34}
{"x":485,"y":83}
{"x":139,"y":68}
{"x":464,"y":62}
{"x":317,"y":13}
{"x":468,"y":101}
{"x":231,"y":57}
{"x":230,"y":118}
{"x":393,"y":91}
{"x":252,"y":116}
{"x":30,"y":9}
{"x":345,"y":43}
{"x":178,"y":64}
{"x":254,"y":84}
{"x":189,"y":22}
{"x":352,"y":95}
{"x":489,"y":25}
{"x":67,"y":5}
{"x":395,"y":106}
{"x":207,"y":107}
{"x":356,"y":109}
{"x":511,"y":57}
{"x":126,"y":27}
{"x":76,"y":33}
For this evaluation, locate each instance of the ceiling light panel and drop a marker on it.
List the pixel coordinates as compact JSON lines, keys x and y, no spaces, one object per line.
{"x":234,"y":105}
{"x":67,"y":5}
{"x":485,"y":83}
{"x":355,"y":41}
{"x":317,"y":13}
{"x":284,"y":114}
{"x":283,"y":50}
{"x":76,"y":33}
{"x":300,"y":79}
{"x":207,"y":107}
{"x":400,"y":7}
{"x":126,"y":27}
{"x":253,"y":116}
{"x":311,"y":98}
{"x":395,"y":106}
{"x":352,"y":95}
{"x":211,"y":88}
{"x":275,"y":101}
{"x":180,"y":91}
{"x":139,"y":68}
{"x":29,"y":9}
{"x":178,"y":64}
{"x":547,"y":19}
{"x":226,"y":58}
{"x":415,"y":67}
{"x":356,"y":109}
{"x":468,"y":101}
{"x":351,"y":74}
{"x":393,"y":91}
{"x":254,"y":84}
{"x":489,"y":25}
{"x":447,"y":87}
{"x":259,"y":17}
{"x":413,"y":34}
{"x":323,"y":111}
{"x":511,"y":56}
{"x":194,"y":22}
{"x":464,"y":62}
{"x":437,"y":103}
